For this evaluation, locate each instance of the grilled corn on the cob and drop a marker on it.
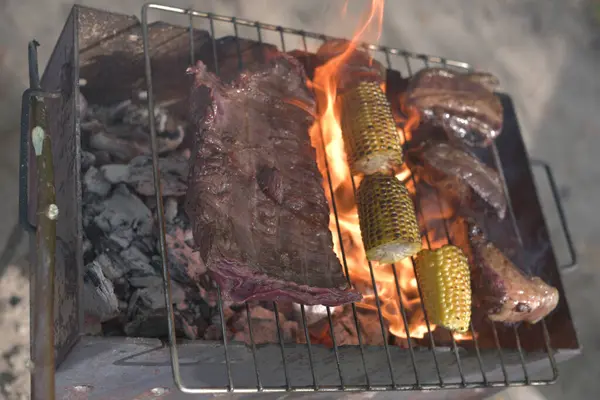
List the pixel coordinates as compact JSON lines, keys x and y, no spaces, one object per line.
{"x":388,"y":224}
{"x":369,"y":130}
{"x":444,"y":278}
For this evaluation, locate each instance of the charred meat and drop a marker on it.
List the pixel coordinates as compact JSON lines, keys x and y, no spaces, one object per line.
{"x":462,"y":103}
{"x":357,"y":66}
{"x":259,"y":213}
{"x":453,"y":171}
{"x":506,"y":293}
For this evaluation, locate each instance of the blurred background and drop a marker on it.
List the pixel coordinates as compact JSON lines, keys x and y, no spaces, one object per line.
{"x":545,"y":53}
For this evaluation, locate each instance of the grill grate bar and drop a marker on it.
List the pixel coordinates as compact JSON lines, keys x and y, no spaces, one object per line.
{"x":517,"y":231}
{"x":281,"y":346}
{"x":309,"y":347}
{"x":329,"y":316}
{"x":453,"y":341}
{"x":378,"y":304}
{"x":472,"y":329}
{"x":407,"y":56}
{"x":259,"y":385}
{"x":224,"y":333}
{"x":335,"y":348}
{"x":302,"y":308}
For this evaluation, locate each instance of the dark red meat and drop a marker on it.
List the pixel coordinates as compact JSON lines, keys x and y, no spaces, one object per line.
{"x":255,"y":197}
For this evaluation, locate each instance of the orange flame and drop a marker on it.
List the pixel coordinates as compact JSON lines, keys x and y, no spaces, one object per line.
{"x":326,"y":134}
{"x":394,"y":284}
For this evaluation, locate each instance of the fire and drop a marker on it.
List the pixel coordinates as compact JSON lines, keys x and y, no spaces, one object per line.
{"x":326,"y":136}
{"x":393,"y":283}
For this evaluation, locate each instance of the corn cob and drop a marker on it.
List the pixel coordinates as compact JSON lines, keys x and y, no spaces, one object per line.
{"x":444,"y":278}
{"x":388,"y":224}
{"x":369,"y":130}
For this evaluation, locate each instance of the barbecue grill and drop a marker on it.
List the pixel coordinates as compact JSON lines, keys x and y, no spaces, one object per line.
{"x":118,"y":55}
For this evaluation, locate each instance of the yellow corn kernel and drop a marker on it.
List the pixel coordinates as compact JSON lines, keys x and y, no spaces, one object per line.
{"x":369,"y":130}
{"x":388,"y":223}
{"x":444,"y":278}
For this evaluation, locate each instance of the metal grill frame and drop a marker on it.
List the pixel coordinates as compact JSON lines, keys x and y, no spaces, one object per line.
{"x":407,"y":56}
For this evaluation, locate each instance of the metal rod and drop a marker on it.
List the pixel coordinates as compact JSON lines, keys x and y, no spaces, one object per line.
{"x":329,"y":318}
{"x":478,"y":353}
{"x":192,"y":46}
{"x":43,"y":273}
{"x":318,"y":36}
{"x":335,"y":348}
{"x":259,"y":385}
{"x":281,"y":346}
{"x":309,"y":348}
{"x":572,"y":263}
{"x":379,"y":312}
{"x":429,"y":332}
{"x":160,"y":209}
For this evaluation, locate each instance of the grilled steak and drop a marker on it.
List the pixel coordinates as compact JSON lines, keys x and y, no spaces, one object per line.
{"x":463,"y":104}
{"x":502,"y":289}
{"x":259,"y":213}
{"x":453,"y":171}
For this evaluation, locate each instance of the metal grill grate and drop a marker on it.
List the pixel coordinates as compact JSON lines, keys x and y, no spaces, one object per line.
{"x":409,"y":60}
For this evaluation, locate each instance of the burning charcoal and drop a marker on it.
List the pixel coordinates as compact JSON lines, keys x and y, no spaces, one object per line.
{"x":123,"y":292}
{"x":123,"y":216}
{"x":115,"y":173}
{"x":125,"y":130}
{"x":147,"y":312}
{"x":264,"y":327}
{"x":139,"y":175}
{"x":82,"y":104}
{"x":88,"y":248}
{"x":185,"y":263}
{"x":102,"y":158}
{"x":94,"y":183}
{"x":142,"y":273}
{"x":99,"y":297}
{"x":87,"y":160}
{"x":171,"y":209}
{"x":344,"y":329}
{"x":314,"y":314}
{"x":214,"y":331}
{"x":146,"y":244}
{"x":112,"y":270}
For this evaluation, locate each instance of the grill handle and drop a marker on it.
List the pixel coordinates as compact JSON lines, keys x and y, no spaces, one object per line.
{"x":34,"y":131}
{"x":572,"y":263}
{"x":30,"y":94}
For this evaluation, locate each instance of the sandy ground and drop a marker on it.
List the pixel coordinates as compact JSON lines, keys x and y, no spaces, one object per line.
{"x":545,"y":52}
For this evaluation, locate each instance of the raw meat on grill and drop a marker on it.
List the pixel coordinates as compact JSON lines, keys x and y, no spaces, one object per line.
{"x":259,"y":213}
{"x":464,"y":104}
{"x":505,"y":292}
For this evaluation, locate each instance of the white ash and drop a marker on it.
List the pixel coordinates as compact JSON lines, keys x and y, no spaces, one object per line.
{"x":123,"y":130}
{"x":122,"y":216}
{"x":139,"y":175}
{"x":87,"y":160}
{"x":124,"y":271}
{"x":121,"y":245}
{"x":99,"y":299}
{"x":95,"y":183}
